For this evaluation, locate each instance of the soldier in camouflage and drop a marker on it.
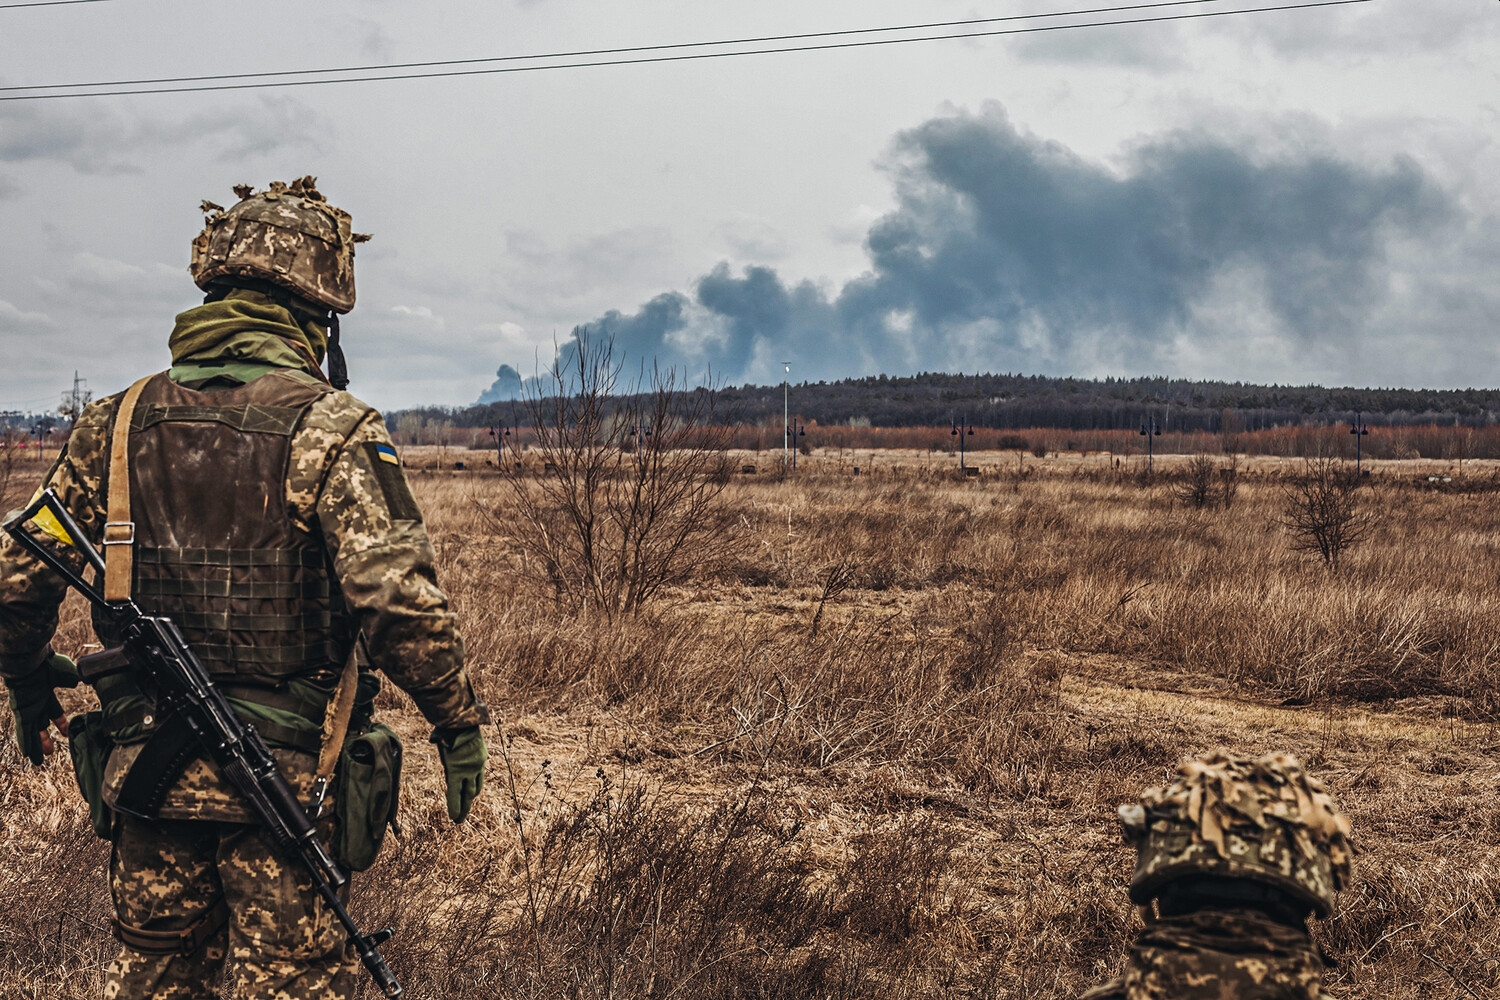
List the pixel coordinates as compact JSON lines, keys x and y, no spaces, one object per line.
{"x":272,"y":521}
{"x":1232,"y":859}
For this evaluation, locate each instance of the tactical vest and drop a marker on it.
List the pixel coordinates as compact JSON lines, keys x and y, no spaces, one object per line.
{"x":217,"y":548}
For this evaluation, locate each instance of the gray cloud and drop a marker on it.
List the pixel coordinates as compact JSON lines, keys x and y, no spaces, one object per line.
{"x":1402,"y":27}
{"x":1157,"y":48}
{"x":507,"y":385}
{"x":99,"y":139}
{"x":1008,"y":251}
{"x":14,"y":320}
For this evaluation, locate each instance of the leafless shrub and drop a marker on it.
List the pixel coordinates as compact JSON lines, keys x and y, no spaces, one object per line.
{"x":13,"y":481}
{"x":1013,"y":442}
{"x":1321,"y":509}
{"x":632,"y":493}
{"x":1195,"y":487}
{"x":918,"y":800}
{"x":840,"y":576}
{"x":1229,"y":481}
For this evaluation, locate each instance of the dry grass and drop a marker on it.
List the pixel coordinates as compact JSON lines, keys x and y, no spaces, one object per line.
{"x":877,"y":750}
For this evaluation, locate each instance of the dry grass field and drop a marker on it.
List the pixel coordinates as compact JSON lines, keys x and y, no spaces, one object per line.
{"x":875,"y":750}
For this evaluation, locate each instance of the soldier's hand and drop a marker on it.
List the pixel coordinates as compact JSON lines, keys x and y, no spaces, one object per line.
{"x":463,"y":753}
{"x":33,"y":702}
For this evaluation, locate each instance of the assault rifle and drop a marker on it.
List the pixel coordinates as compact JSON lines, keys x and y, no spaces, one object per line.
{"x":186,"y":697}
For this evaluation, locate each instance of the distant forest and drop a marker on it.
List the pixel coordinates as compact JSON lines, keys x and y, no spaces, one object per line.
{"x":1021,"y":402}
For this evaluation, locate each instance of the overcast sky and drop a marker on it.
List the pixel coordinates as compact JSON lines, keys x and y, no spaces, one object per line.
{"x":1300,"y":196}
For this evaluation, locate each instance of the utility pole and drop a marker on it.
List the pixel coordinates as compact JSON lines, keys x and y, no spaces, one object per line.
{"x":1151,"y":429}
{"x":786,"y":416}
{"x":1359,"y":430}
{"x":73,"y":402}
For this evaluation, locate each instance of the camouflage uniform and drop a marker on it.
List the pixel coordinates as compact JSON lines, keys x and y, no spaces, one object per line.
{"x":284,"y":940}
{"x":1232,"y":859}
{"x":199,"y":882}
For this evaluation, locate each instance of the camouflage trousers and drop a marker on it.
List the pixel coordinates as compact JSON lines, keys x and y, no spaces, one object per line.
{"x":170,"y":876}
{"x":1218,"y":955}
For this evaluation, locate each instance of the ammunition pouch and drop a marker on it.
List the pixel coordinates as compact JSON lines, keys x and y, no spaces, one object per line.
{"x":369,"y":788}
{"x":89,"y":745}
{"x":185,"y":942}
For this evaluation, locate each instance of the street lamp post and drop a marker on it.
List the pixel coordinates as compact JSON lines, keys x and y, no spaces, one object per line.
{"x":795,"y":430}
{"x":1359,"y":430}
{"x":41,"y":429}
{"x":1151,"y":429}
{"x":500,"y":432}
{"x":786,"y":415}
{"x":962,"y":430}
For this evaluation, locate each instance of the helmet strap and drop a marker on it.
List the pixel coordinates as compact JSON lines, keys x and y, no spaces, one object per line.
{"x":338,"y":370}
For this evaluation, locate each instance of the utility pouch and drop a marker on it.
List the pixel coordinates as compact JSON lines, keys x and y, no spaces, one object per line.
{"x":369,"y":787}
{"x":89,"y":745}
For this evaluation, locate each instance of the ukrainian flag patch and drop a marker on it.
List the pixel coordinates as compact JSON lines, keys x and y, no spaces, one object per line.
{"x":387,"y":468}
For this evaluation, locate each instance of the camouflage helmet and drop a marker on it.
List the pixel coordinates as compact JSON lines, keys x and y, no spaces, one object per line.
{"x":1262,"y":819}
{"x":288,"y":235}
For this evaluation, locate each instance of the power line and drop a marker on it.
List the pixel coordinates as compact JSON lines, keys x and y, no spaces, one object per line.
{"x":49,"y":3}
{"x":609,"y":52}
{"x":827,"y":46}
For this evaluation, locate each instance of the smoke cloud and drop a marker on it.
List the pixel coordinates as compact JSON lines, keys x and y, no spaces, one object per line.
{"x":1007,"y":251}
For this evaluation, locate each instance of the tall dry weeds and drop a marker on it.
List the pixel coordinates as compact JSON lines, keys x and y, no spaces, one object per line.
{"x":877,"y":751}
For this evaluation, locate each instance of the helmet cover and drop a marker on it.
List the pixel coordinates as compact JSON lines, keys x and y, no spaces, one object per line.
{"x":1263,"y":819}
{"x":288,"y":235}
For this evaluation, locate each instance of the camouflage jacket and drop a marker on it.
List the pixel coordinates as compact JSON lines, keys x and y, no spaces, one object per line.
{"x":1218,"y":955}
{"x":382,"y":560}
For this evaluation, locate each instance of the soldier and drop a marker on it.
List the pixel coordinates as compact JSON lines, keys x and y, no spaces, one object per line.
{"x":264,"y":509}
{"x":1234,"y":856}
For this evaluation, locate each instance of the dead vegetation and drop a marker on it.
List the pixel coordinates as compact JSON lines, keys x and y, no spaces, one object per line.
{"x":876,"y":750}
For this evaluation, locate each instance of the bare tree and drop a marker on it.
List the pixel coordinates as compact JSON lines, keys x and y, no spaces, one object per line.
{"x":1229,"y":481}
{"x":12,"y":482}
{"x":1321,"y":509}
{"x":1196,"y":487}
{"x":1205,"y":482}
{"x":631,"y":492}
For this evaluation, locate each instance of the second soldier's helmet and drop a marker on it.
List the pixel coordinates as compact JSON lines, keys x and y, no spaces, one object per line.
{"x":1262,"y":819}
{"x":287,"y":235}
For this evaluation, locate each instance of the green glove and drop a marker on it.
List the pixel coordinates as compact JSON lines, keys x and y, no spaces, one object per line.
{"x":463,"y":753}
{"x":33,"y":701}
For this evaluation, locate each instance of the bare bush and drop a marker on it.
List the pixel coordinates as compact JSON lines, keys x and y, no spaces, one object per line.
{"x":1229,"y":481}
{"x":1196,"y":486}
{"x":1321,"y":509}
{"x":13,"y":482}
{"x":915,"y":797}
{"x":632,"y":492}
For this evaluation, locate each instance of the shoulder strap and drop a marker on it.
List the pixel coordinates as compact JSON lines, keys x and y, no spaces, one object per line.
{"x":119,"y":529}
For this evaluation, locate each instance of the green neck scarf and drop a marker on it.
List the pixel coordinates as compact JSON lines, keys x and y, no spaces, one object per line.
{"x":247,"y":327}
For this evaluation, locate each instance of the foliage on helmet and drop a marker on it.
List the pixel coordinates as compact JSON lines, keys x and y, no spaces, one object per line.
{"x":288,"y":235}
{"x":1263,"y":819}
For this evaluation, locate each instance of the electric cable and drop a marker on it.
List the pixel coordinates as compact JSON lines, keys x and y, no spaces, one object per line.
{"x":755,"y":40}
{"x":49,"y":3}
{"x":827,"y":46}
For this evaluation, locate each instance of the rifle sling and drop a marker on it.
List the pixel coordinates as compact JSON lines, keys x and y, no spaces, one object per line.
{"x":157,"y":768}
{"x":169,"y":751}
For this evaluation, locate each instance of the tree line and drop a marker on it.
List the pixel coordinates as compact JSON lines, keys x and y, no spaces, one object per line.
{"x":1019,"y":402}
